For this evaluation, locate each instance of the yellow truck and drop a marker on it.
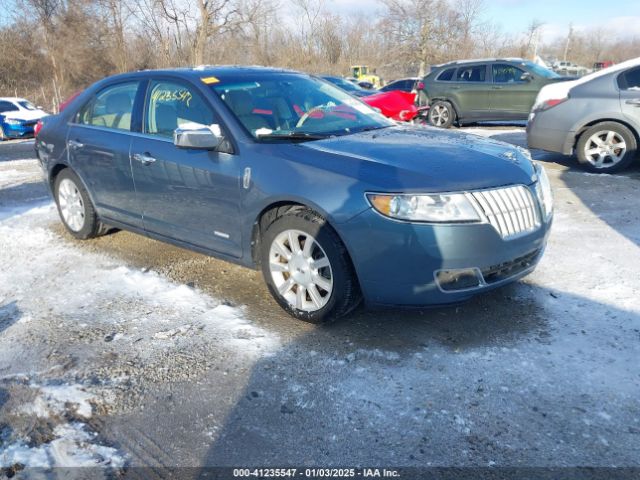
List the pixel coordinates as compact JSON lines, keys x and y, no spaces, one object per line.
{"x":361,"y":72}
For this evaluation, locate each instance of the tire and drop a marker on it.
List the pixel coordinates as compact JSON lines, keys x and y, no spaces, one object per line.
{"x":441,"y":114}
{"x":75,"y":207}
{"x":312,"y":295}
{"x":606,"y":147}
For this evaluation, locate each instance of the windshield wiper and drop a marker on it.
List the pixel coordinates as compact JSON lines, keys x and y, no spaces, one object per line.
{"x":292,"y":136}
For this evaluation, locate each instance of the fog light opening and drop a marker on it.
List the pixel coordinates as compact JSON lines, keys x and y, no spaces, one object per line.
{"x":459,"y":279}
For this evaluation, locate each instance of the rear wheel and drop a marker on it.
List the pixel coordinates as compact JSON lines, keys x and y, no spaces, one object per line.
{"x":606,"y":147}
{"x":75,"y":208}
{"x":441,"y":114}
{"x":307,"y":268}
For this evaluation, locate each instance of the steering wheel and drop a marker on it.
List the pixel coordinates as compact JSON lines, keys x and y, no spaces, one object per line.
{"x":307,"y":114}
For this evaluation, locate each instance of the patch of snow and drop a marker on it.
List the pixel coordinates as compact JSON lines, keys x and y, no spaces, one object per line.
{"x":73,"y":447}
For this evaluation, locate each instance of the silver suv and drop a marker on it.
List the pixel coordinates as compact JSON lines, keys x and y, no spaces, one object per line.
{"x":596,"y":117}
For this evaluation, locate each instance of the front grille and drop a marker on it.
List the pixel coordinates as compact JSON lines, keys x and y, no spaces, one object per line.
{"x":502,"y":271}
{"x":512,"y":211}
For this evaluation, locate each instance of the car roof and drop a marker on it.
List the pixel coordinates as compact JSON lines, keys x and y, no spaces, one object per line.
{"x":482,"y":60}
{"x":12,"y":99}
{"x":211,"y":71}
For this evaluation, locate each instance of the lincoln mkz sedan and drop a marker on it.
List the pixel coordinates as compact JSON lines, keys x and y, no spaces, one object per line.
{"x":281,"y":171}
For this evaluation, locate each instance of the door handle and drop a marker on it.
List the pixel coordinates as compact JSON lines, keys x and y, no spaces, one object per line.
{"x":635,"y":101}
{"x":74,"y":144}
{"x":144,"y":158}
{"x":496,"y":87}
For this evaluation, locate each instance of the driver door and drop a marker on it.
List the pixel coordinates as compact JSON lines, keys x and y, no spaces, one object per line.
{"x":188,"y":195}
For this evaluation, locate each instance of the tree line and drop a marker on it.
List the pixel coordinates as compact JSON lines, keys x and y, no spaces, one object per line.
{"x":50,"y":49}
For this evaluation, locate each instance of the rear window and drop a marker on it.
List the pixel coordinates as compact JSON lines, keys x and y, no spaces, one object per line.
{"x":472,"y":73}
{"x":447,"y":75}
{"x":630,"y":80}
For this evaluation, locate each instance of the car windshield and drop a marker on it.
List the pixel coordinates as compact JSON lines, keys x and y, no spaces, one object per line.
{"x":295,"y":107}
{"x":27,"y":105}
{"x":541,"y":71}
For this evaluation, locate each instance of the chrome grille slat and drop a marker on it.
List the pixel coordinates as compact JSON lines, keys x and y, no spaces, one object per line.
{"x":512,"y":211}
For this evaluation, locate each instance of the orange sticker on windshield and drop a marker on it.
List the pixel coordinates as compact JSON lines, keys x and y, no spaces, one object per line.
{"x":209,"y":80}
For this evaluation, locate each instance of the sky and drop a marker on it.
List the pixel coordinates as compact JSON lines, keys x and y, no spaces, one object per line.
{"x":620,"y":17}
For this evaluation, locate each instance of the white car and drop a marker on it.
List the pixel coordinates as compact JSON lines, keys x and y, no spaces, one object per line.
{"x":18,"y":117}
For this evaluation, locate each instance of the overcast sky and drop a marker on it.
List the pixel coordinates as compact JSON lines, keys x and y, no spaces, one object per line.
{"x":620,"y":17}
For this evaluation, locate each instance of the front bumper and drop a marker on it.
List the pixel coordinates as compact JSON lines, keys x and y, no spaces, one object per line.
{"x":397,"y":262}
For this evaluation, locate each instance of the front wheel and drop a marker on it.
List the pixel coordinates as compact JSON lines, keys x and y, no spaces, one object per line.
{"x":441,"y":114}
{"x":307,"y":268}
{"x":606,"y":147}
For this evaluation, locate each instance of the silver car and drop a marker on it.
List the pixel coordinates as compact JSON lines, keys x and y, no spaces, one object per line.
{"x":597,"y":118}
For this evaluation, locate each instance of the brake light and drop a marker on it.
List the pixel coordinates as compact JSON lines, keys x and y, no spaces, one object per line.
{"x":37,"y":128}
{"x":552,"y":102}
{"x":420,"y":85}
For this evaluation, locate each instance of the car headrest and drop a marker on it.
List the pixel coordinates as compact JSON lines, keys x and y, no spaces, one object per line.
{"x":118,"y":103}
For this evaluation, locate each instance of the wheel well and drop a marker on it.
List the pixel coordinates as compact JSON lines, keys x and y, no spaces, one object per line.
{"x":55,"y":171}
{"x":585,"y":127}
{"x":265,"y":218}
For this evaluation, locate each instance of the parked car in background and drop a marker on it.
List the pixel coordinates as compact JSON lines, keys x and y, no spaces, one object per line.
{"x":596,"y":117}
{"x":348,"y":86}
{"x":484,"y":90}
{"x":569,"y":69}
{"x":366,"y":85}
{"x":396,"y":105}
{"x":18,"y":117}
{"x":278,"y":170}
{"x":409,"y":85}
{"x":601,"y":65}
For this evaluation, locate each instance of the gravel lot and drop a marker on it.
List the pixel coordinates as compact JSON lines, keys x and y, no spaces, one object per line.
{"x":126,"y":351}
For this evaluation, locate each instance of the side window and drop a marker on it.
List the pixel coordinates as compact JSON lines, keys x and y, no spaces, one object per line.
{"x":630,"y":80}
{"x":447,"y":75}
{"x":111,"y":108}
{"x":504,"y":73}
{"x":8,"y":107}
{"x":472,"y":73}
{"x":171,"y":105}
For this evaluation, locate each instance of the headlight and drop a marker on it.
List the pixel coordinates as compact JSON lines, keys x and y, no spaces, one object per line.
{"x":437,"y":208}
{"x":12,"y":121}
{"x":543,"y":191}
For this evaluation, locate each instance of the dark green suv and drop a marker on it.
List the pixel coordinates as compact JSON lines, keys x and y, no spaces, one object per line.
{"x":484,"y":90}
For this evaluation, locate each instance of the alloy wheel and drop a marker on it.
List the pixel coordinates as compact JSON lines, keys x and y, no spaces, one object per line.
{"x":440,"y":115}
{"x":605,"y":149}
{"x":71,"y":204}
{"x":301,"y":270}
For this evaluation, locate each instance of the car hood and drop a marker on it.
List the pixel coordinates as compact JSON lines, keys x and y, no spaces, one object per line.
{"x":26,"y":115}
{"x":426,"y":159}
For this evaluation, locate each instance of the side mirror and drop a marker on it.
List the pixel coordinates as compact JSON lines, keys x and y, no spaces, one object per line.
{"x":202,"y":138}
{"x":526,"y":77}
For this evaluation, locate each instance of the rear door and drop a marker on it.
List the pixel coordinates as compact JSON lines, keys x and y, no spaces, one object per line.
{"x":511,"y":97}
{"x":98,"y":142}
{"x":470,"y":91}
{"x":629,"y":83}
{"x":186,"y":194}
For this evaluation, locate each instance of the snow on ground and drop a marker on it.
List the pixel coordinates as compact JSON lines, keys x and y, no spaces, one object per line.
{"x":85,"y":298}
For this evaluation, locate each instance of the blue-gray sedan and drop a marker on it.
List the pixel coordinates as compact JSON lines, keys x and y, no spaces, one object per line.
{"x":277,"y":170}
